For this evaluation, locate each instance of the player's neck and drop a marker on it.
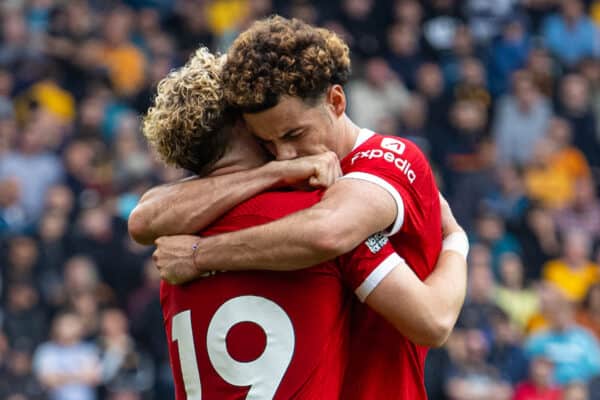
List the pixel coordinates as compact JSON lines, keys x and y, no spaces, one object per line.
{"x":349,"y":135}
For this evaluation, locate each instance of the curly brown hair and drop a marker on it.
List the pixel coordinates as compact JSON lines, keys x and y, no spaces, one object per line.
{"x":277,"y":57}
{"x":189,"y":124}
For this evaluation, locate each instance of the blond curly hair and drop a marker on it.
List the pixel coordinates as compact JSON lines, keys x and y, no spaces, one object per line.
{"x":189,"y":124}
{"x":276,"y":57}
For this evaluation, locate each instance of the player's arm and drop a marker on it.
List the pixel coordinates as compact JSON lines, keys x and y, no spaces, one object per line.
{"x":426,"y":311}
{"x":350,"y":211}
{"x":192,"y":204}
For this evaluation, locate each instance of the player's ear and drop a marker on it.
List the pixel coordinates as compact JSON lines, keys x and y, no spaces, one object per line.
{"x":336,"y":100}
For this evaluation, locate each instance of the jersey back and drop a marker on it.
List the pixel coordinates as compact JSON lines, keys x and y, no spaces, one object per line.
{"x":384,"y":364}
{"x":259,"y":334}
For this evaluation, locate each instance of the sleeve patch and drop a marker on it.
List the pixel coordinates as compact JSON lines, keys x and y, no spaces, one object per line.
{"x":376,"y":242}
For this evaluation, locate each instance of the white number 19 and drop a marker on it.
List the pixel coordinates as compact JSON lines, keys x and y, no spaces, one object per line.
{"x":263,"y":374}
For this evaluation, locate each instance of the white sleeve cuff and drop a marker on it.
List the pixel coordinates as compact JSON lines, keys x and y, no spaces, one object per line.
{"x":377,"y":275}
{"x":397,"y":225}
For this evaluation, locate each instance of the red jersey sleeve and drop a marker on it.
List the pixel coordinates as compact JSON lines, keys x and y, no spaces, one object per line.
{"x":366,"y":266}
{"x":397,"y":166}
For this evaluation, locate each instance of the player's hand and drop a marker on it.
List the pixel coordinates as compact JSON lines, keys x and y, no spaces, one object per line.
{"x":449,"y":224}
{"x":319,"y":171}
{"x":173,"y":258}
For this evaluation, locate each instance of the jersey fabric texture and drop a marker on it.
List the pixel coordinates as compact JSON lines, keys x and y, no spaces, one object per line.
{"x":261,"y":334}
{"x":383,"y":363}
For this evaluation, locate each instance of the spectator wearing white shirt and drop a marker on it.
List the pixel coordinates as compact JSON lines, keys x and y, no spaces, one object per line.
{"x":66,"y":366}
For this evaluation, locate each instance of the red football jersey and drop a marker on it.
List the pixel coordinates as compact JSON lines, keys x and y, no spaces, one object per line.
{"x":384,"y":364}
{"x":267,"y":335}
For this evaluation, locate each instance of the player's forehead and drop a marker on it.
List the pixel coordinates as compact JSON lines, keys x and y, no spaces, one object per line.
{"x":290,"y":114}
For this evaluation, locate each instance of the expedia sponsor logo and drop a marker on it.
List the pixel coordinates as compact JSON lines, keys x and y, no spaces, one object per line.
{"x":376,"y":242}
{"x":393,"y":145}
{"x":402,"y":164}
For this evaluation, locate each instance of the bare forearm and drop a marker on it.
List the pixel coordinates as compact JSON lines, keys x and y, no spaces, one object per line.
{"x":422,"y":311}
{"x":255,"y":248}
{"x":448,"y":283}
{"x":329,"y":229}
{"x":188,"y":206}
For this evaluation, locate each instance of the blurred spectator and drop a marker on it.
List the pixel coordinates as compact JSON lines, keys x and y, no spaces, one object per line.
{"x":380,"y":95}
{"x":540,"y":385}
{"x":546,"y":181}
{"x":519,"y":302}
{"x":413,"y":122}
{"x":441,"y":21}
{"x":491,"y":231}
{"x":22,"y":261}
{"x":124,"y":367}
{"x":589,"y":68}
{"x":583,"y":212}
{"x":486,"y":18}
{"x":508,"y":53}
{"x":124,"y":61}
{"x":472,"y":377}
{"x":463,"y":47}
{"x":404,"y":56}
{"x":508,"y":199}
{"x":595,"y":388}
{"x":472,"y":83}
{"x":574,"y":273}
{"x":576,"y":109}
{"x":570,"y":35}
{"x":467,"y":125}
{"x":588,"y":316}
{"x":32,"y":169}
{"x":549,"y":297}
{"x":18,"y":381}
{"x":360,"y":27}
{"x":66,"y":366}
{"x":521,"y":119}
{"x":573,"y":350}
{"x":430,"y":85}
{"x":25,"y":323}
{"x":506,"y":353}
{"x":576,"y":391}
{"x":16,"y":46}
{"x":149,"y":290}
{"x":543,"y":69}
{"x":132,"y":162}
{"x":566,"y":155}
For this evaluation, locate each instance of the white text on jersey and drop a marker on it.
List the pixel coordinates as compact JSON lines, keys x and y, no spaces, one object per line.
{"x":400,"y":163}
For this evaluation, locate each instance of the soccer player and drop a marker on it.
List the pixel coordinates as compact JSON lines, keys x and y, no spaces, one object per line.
{"x":215,"y":349}
{"x":287,"y":78}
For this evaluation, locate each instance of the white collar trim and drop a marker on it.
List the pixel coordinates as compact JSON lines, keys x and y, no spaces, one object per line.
{"x":363,"y":136}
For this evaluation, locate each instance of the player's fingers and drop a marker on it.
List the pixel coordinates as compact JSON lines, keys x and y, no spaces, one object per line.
{"x":315,"y":181}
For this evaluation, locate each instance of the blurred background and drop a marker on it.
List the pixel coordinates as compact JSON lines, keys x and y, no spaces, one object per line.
{"x":502,"y":95}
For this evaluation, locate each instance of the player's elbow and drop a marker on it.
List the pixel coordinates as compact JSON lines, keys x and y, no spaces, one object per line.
{"x":439,"y":331}
{"x":139,"y":227}
{"x":431,"y":331}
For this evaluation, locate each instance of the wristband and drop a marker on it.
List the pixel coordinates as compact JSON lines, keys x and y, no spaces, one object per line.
{"x":457,"y":242}
{"x":195,"y":248}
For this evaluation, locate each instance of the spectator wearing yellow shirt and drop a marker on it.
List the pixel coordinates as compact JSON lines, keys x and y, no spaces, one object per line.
{"x":124,"y":62}
{"x":566,"y":156}
{"x":545,"y":182}
{"x":574,"y":272}
{"x":519,"y":302}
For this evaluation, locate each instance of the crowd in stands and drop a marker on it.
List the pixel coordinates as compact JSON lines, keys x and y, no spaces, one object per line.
{"x":503,"y":96}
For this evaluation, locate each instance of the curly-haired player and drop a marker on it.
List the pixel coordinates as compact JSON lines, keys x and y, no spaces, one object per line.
{"x":286,"y":77}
